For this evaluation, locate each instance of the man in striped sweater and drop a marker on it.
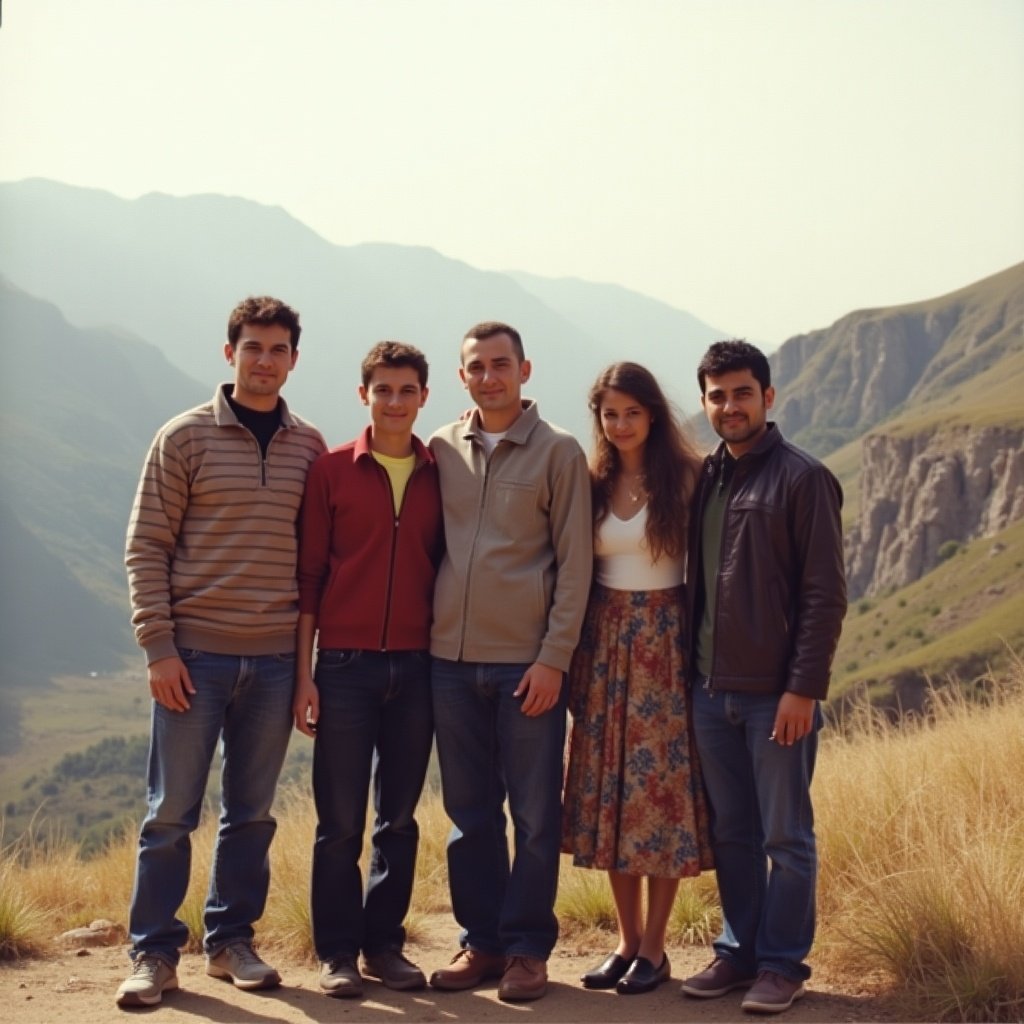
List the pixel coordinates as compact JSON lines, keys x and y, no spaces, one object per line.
{"x":211,"y":558}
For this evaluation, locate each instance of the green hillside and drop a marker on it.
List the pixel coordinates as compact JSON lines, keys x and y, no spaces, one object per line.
{"x":80,"y":763}
{"x":961,"y":617}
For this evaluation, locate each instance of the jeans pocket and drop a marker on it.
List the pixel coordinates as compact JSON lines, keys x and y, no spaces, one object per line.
{"x":337,"y":657}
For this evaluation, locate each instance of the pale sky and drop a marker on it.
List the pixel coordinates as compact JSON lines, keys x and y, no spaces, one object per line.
{"x":766,"y":165}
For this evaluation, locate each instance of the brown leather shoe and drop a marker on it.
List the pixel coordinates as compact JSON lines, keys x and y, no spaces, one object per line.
{"x":525,"y":978}
{"x":469,"y":967}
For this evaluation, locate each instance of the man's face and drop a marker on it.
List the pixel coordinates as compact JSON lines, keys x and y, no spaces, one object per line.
{"x":737,"y":409}
{"x":262,"y":357}
{"x":492,"y":373}
{"x":395,"y":398}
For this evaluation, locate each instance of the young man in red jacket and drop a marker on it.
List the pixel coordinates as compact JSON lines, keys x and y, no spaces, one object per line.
{"x":371,"y":537}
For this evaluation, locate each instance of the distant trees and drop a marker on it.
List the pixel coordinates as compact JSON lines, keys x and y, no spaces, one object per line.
{"x":114,"y":755}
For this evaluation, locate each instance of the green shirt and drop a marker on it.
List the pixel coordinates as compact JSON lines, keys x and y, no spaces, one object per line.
{"x":710,"y":552}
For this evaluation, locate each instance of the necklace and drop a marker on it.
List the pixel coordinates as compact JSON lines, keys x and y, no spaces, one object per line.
{"x":634,"y":495}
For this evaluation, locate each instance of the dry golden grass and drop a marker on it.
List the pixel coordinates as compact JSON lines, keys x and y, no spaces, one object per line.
{"x":921,"y":836}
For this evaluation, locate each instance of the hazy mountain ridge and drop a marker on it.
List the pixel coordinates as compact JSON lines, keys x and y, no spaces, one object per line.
{"x":169,"y":270}
{"x":79,"y":410}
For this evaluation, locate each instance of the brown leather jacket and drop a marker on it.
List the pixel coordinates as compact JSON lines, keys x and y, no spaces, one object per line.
{"x":781,"y":585}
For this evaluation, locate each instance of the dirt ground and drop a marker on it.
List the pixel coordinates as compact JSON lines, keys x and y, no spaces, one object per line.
{"x":79,"y":986}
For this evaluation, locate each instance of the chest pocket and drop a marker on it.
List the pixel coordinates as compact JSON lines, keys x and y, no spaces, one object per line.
{"x":514,"y":505}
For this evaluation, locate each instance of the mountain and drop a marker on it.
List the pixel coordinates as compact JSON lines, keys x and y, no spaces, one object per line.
{"x":838,"y":383}
{"x":79,"y":408}
{"x":667,"y":341}
{"x":929,"y":392}
{"x":50,"y":622}
{"x":170,"y":269}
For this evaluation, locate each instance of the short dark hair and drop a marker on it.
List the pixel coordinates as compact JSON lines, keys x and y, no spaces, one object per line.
{"x":263,"y":309}
{"x":734,"y":354}
{"x":394,"y":354}
{"x":491,"y":328}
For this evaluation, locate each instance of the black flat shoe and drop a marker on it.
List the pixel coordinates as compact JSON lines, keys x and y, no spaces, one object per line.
{"x":608,"y":974}
{"x":643,"y":976}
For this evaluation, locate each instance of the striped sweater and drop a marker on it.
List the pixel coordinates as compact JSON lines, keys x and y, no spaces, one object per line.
{"x":211,"y":548}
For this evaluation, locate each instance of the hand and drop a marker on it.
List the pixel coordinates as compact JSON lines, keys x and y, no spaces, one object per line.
{"x":170,"y":684}
{"x":540,"y":689}
{"x":306,"y":705}
{"x":794,"y":719}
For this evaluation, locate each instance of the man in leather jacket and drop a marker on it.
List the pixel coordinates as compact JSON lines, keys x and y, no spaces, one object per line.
{"x":768,"y":600}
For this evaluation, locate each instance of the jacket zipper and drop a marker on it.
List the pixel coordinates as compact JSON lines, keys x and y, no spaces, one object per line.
{"x":394,"y":546}
{"x":709,"y":684}
{"x":259,"y":451}
{"x":476,"y":537}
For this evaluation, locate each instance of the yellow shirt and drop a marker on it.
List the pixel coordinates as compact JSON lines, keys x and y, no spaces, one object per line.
{"x":399,"y":471}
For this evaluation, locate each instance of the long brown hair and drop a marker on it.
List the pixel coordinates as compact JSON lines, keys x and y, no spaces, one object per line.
{"x":671,"y":463}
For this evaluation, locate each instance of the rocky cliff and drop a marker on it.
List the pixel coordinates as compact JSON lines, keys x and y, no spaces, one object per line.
{"x":920,"y":492}
{"x":838,"y":383}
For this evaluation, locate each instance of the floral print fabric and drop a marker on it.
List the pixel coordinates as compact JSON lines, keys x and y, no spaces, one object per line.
{"x":634,"y":800}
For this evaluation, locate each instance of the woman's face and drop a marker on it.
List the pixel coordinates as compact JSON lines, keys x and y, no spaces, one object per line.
{"x":624,"y":421}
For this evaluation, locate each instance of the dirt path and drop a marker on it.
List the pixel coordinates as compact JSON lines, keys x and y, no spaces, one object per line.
{"x":78,"y":988}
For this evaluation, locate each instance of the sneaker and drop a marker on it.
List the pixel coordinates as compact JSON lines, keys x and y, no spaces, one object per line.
{"x":772,"y":993}
{"x":393,"y":969}
{"x":719,"y":977}
{"x":469,"y":967}
{"x":151,"y":977}
{"x":339,"y":977}
{"x":237,"y":962}
{"x":525,"y":978}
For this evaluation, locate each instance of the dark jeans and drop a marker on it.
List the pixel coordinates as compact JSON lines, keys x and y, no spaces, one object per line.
{"x":487,"y":747}
{"x":760,"y":797}
{"x":375,"y":723}
{"x":245,"y":702}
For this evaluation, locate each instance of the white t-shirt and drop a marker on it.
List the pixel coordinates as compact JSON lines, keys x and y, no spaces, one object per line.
{"x":623,"y":561}
{"x":491,"y":440}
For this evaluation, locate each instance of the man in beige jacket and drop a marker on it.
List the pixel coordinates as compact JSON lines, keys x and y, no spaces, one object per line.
{"x":508,"y":607}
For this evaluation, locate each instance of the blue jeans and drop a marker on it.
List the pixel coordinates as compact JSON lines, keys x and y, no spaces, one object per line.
{"x":375,"y":721}
{"x":488,"y":748}
{"x":245,"y":702}
{"x":759,"y":792}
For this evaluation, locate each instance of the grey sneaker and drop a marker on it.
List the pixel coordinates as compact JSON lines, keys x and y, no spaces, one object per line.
{"x":151,"y":977}
{"x":719,"y":977}
{"x":394,"y":970}
{"x":237,"y":962}
{"x":339,"y":977}
{"x":772,"y":993}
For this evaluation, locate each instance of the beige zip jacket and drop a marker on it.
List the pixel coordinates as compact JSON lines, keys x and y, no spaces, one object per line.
{"x":514,"y":581}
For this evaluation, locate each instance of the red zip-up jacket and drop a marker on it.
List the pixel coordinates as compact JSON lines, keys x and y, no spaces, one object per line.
{"x":365,"y":573}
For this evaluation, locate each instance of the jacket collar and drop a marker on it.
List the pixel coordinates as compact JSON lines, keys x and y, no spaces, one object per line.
{"x":768,"y":443}
{"x":518,"y":433}
{"x":224,"y":415}
{"x":363,"y":450}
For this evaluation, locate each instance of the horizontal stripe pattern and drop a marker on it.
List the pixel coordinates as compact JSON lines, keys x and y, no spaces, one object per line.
{"x":212,"y":546}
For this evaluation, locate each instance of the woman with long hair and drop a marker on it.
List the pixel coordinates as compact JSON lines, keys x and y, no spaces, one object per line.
{"x":634,"y":802}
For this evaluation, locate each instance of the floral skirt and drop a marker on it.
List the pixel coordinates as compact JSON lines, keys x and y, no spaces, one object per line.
{"x":634,"y":800}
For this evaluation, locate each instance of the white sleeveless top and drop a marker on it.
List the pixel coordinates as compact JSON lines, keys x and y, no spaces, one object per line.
{"x":623,"y":562}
